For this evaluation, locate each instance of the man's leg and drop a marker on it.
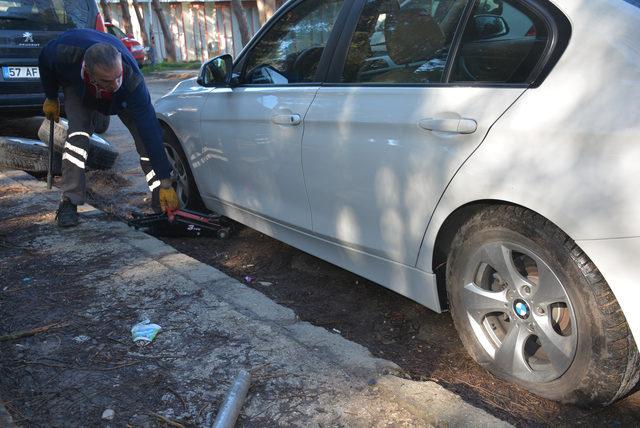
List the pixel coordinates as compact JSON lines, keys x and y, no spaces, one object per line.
{"x":74,"y":157}
{"x":145,"y":163}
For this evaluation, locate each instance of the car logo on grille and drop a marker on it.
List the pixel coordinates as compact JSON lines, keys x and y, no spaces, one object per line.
{"x":28,"y":41}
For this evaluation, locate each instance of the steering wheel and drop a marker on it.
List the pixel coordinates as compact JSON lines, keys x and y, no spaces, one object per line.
{"x":299,"y":69}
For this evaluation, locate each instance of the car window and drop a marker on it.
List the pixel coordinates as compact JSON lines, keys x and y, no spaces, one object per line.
{"x":502,"y":43}
{"x":116,"y":31}
{"x":290,"y":51}
{"x":636,"y":3}
{"x":53,"y":15}
{"x":402,"y":41}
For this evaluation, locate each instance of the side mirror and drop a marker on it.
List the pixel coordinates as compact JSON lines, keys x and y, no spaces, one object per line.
{"x":216,"y":72}
{"x":490,"y":26}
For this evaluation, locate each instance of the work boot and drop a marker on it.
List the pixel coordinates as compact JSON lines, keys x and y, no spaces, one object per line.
{"x":67,"y":214}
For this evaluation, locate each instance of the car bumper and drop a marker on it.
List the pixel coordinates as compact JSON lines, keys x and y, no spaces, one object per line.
{"x":617,"y":260}
{"x":21,"y":104}
{"x":25,"y":104}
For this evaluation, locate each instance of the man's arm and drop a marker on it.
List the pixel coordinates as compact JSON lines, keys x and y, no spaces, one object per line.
{"x":48,"y":75}
{"x":141,"y":109}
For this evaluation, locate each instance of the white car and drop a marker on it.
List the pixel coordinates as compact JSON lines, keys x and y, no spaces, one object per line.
{"x":500,"y":185}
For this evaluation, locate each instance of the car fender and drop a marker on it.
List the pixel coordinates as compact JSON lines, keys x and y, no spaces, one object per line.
{"x":180,"y":109}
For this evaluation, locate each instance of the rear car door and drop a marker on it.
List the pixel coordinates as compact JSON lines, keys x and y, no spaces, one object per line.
{"x":253,"y":131}
{"x":384,"y":139}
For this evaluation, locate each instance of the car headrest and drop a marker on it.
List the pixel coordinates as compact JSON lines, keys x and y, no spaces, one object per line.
{"x":412,"y":36}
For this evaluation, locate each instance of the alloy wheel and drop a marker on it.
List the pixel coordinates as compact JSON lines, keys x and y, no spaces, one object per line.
{"x":519,"y":312}
{"x":180,"y":173}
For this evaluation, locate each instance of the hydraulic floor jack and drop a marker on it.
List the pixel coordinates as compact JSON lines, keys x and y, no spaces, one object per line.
{"x":182,"y":221}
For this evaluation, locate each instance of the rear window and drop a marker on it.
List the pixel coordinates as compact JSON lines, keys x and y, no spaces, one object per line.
{"x":47,"y":15}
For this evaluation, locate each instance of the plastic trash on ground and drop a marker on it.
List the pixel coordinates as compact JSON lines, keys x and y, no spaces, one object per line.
{"x":144,"y":332}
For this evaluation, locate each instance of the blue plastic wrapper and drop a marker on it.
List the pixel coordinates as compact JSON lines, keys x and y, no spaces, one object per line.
{"x":144,"y":332}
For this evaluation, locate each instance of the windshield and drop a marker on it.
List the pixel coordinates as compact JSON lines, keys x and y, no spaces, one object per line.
{"x":55,"y":15}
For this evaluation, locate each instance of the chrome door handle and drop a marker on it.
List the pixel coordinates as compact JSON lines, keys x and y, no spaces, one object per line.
{"x":286,"y":119}
{"x":456,"y":126}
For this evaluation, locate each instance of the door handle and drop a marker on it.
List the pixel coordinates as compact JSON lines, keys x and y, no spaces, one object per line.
{"x":456,"y":126}
{"x":286,"y":119}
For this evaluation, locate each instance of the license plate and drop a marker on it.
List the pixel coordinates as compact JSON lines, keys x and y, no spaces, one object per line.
{"x":20,"y":72}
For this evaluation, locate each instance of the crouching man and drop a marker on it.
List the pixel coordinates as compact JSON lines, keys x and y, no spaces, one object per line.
{"x":98,"y":74}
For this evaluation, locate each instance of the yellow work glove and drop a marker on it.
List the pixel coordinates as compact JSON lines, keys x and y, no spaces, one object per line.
{"x":168,"y":198}
{"x":51,"y":109}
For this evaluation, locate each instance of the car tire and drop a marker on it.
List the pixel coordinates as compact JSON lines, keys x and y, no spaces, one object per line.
{"x":101,"y":123}
{"x":533,"y":309}
{"x":100,"y":154}
{"x":185,"y":185}
{"x":27,"y":155}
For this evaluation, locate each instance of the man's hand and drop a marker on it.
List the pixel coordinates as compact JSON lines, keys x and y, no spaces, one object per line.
{"x":168,"y":197}
{"x":51,"y":109}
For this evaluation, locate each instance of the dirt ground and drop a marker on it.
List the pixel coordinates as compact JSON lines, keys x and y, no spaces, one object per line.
{"x":424,"y":344}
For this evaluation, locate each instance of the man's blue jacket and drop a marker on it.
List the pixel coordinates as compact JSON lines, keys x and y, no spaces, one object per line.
{"x":60,"y":65}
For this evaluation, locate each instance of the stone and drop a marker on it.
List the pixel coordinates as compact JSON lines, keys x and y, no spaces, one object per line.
{"x":108,"y":414}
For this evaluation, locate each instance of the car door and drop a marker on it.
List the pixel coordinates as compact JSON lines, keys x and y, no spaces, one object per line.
{"x":382,"y":142}
{"x":252,"y":132}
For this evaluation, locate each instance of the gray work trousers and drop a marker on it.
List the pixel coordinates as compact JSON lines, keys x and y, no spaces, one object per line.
{"x":76,"y":149}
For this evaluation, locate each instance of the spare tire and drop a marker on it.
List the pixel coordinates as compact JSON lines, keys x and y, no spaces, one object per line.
{"x":27,"y":155}
{"x":101,"y":154}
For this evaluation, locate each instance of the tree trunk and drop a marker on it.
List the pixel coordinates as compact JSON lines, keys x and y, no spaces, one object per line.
{"x":126,"y":17}
{"x":266,"y":9}
{"x":241,"y":17}
{"x":169,"y":44}
{"x":106,"y":10}
{"x":143,"y":28}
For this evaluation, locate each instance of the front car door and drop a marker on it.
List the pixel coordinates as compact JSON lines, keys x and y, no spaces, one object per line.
{"x":252,"y":132}
{"x":404,"y":112}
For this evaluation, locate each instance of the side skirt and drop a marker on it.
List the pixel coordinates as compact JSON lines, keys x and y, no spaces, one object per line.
{"x":408,"y":281}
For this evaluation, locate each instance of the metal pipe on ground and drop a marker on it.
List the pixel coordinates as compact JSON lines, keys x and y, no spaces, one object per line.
{"x":233,"y":402}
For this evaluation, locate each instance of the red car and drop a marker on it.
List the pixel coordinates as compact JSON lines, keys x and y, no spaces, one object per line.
{"x":137,"y":50}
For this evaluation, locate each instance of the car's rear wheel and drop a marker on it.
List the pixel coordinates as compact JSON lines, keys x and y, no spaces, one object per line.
{"x":185,"y":185}
{"x":533,"y":309}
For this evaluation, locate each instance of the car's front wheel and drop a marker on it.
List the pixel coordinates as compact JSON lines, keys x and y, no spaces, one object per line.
{"x":185,"y":186}
{"x":533,"y":309}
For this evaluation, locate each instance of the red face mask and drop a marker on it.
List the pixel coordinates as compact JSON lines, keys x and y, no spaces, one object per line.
{"x":94,"y":88}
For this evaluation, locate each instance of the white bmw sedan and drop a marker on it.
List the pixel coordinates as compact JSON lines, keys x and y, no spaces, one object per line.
{"x":479,"y":156}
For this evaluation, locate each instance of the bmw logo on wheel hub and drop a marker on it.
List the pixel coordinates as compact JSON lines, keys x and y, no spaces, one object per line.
{"x":521,"y":309}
